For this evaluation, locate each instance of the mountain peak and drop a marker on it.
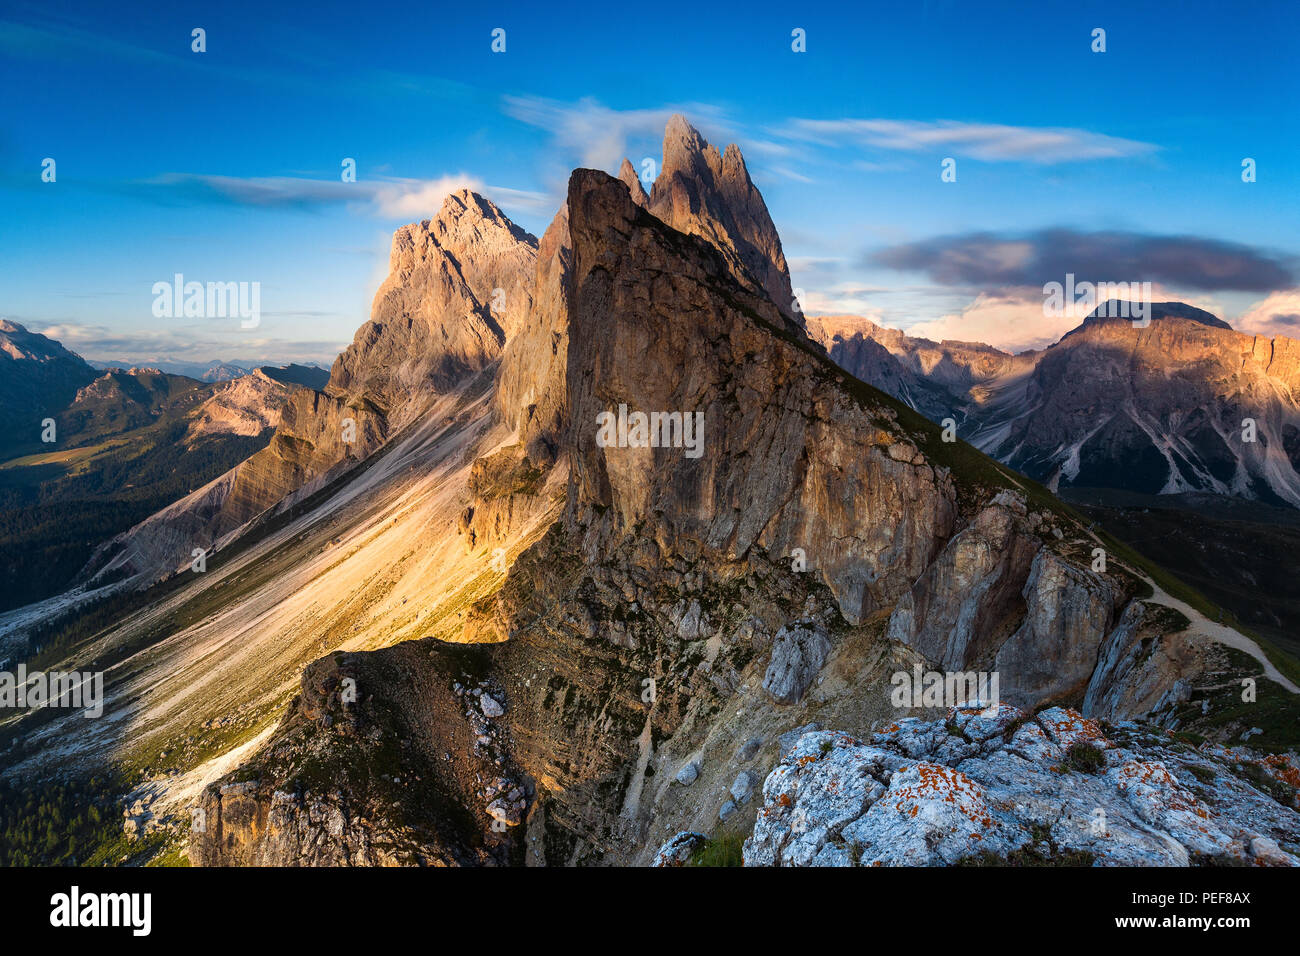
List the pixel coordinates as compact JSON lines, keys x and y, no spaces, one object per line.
{"x":459,"y":285}
{"x":684,"y":147}
{"x":704,"y":193}
{"x":627,"y":175}
{"x":1116,"y":308}
{"x":19,"y":342}
{"x":468,"y":216}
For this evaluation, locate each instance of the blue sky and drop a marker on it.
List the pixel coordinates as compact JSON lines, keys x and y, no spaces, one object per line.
{"x":225,"y":165}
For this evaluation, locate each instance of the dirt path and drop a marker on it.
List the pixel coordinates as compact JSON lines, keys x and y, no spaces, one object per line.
{"x":1221,"y":633}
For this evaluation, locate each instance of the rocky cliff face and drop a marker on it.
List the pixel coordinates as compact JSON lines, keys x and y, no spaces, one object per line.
{"x":423,"y":773}
{"x":248,"y":405}
{"x":458,"y":286}
{"x":705,"y":597}
{"x":531,"y":393}
{"x":459,"y":283}
{"x":786,"y":459}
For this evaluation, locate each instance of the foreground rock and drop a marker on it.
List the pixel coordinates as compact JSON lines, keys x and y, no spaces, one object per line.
{"x":678,"y":850}
{"x":1002,"y":787}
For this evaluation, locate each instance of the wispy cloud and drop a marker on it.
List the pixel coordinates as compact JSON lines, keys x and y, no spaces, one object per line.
{"x":1013,"y":320}
{"x":388,"y":198}
{"x":985,"y":260}
{"x":991,"y":142}
{"x":786,"y":172}
{"x":588,"y":133}
{"x":842,"y":299}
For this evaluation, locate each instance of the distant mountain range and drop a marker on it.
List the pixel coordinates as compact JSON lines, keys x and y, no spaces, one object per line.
{"x":1185,"y":404}
{"x":204,"y":372}
{"x":38,"y":379}
{"x":125,"y":443}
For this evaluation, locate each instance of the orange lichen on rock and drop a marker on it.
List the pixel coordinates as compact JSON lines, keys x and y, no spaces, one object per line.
{"x":945,"y":785}
{"x":1067,"y":727}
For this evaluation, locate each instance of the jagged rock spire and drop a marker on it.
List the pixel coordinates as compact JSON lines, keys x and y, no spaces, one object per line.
{"x":627,"y":175}
{"x":709,"y":194}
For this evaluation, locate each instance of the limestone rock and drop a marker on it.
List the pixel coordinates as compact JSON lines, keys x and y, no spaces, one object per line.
{"x":742,"y":788}
{"x":798,"y":654}
{"x":677,"y":851}
{"x":837,"y":801}
{"x":963,"y":599}
{"x":1068,"y":613}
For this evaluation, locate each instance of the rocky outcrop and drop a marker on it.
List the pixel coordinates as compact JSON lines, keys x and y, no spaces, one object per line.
{"x":247,"y":405}
{"x":678,"y":850}
{"x":251,"y":830}
{"x":999,"y":787}
{"x":628,"y":177}
{"x":799,"y":651}
{"x":1146,"y":665}
{"x":965,"y":603}
{"x":532,"y":385}
{"x":357,"y":776}
{"x":1068,"y":611}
